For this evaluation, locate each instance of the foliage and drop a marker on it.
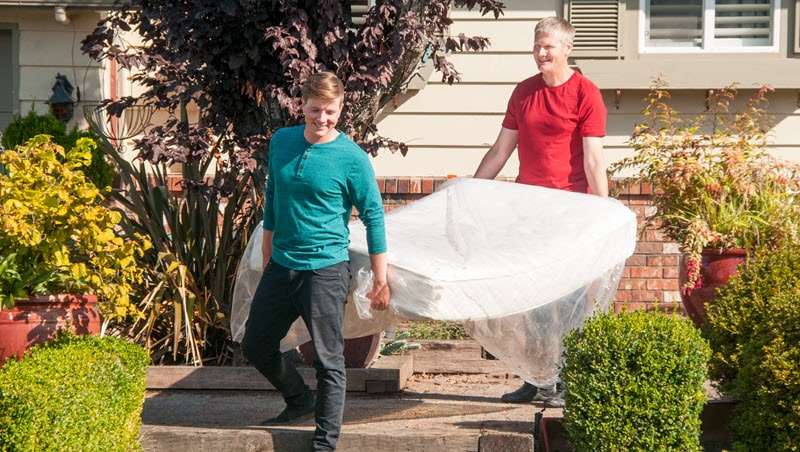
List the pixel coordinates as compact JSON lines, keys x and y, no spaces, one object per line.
{"x":400,"y":344}
{"x":635,"y":382}
{"x":716,"y":187}
{"x":227,"y":74}
{"x":23,"y":128}
{"x":74,"y":393}
{"x":436,"y":329}
{"x":56,"y":236}
{"x":753,"y":331}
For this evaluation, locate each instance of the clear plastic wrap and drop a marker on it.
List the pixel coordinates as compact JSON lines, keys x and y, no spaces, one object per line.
{"x":520,"y":265}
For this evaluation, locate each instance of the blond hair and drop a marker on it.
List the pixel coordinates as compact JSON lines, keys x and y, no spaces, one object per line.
{"x":323,"y":85}
{"x":557,"y":27}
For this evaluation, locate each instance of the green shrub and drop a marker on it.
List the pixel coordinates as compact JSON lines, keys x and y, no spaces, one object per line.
{"x":75,"y":393}
{"x":635,"y":382}
{"x":23,"y":128}
{"x":753,"y":328}
{"x":436,"y":330}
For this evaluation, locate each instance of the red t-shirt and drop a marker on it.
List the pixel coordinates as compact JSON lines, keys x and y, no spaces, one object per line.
{"x":552,"y":122}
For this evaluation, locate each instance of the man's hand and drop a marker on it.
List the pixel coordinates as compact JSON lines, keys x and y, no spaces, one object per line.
{"x":379,"y":295}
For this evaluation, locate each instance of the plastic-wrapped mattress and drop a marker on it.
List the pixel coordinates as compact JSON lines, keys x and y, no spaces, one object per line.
{"x":520,"y":265}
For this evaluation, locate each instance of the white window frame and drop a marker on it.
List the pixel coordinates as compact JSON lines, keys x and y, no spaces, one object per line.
{"x":708,"y":33}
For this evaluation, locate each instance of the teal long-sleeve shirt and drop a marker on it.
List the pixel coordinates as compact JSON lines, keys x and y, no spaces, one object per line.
{"x":310,"y":192}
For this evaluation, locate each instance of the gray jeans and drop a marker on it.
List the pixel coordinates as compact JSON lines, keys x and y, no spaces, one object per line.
{"x":318,"y":297}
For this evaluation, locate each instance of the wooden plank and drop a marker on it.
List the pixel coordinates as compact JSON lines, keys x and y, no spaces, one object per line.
{"x":390,"y":373}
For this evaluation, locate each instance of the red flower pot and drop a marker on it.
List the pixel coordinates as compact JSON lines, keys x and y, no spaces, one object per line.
{"x":359,"y":352}
{"x":38,"y":318}
{"x":716,"y":267}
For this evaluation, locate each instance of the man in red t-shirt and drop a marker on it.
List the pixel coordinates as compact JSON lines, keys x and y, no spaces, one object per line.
{"x":557,"y":120}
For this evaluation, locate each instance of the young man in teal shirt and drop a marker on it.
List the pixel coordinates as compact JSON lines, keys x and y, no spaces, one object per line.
{"x":316,"y":176}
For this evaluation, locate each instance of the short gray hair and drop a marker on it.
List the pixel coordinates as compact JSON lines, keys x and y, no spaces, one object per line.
{"x":555,"y":26}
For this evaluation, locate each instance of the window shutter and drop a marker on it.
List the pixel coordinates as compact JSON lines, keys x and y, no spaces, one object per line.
{"x":359,"y":9}
{"x":598,"y":26}
{"x":675,"y":23}
{"x":743,"y":22}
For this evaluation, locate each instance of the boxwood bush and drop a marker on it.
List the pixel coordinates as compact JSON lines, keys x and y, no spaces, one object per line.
{"x":754,"y":331}
{"x":634,"y":381}
{"x":75,"y":393}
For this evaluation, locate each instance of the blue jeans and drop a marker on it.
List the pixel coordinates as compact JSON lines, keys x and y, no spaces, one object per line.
{"x":318,"y":297}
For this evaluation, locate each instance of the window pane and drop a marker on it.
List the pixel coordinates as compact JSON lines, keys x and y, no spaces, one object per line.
{"x":675,"y":23}
{"x":742,"y":22}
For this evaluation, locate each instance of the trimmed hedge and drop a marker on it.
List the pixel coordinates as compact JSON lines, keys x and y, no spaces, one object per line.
{"x":634,"y":381}
{"x":754,"y":331}
{"x":74,"y":393}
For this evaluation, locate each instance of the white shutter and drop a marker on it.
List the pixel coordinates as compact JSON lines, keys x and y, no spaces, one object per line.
{"x":743,"y":22}
{"x":598,"y":25}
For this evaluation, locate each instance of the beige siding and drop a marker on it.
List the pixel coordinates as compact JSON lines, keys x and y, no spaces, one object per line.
{"x":47,"y":48}
{"x":448,"y":128}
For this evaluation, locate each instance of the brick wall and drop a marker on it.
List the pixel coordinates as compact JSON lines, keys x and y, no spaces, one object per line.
{"x":650,"y":279}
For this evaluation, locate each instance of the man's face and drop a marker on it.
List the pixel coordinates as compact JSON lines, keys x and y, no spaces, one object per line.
{"x":550,"y":52}
{"x":322,"y":115}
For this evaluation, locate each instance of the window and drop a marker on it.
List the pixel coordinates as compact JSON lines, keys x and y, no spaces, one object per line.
{"x":709,"y":25}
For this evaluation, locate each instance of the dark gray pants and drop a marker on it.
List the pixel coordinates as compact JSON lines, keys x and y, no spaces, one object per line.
{"x":318,"y":297}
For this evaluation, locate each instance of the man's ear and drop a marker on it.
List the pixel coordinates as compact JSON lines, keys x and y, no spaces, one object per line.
{"x":568,"y":46}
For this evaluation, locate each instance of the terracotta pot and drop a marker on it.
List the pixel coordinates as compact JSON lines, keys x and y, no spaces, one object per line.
{"x":359,"y":352}
{"x":716,"y":267}
{"x":38,"y":318}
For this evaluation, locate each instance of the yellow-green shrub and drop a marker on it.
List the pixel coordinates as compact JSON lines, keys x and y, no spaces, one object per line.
{"x":56,"y":235}
{"x":634,"y":382}
{"x":74,"y":393}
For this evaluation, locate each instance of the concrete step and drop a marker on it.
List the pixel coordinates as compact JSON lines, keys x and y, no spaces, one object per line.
{"x":218,"y":421}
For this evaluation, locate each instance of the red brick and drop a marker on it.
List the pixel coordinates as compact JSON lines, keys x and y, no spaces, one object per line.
{"x":645,"y":272}
{"x":391,"y":185}
{"x":414,"y":185}
{"x":649,"y":247}
{"x":669,"y":260}
{"x":402,"y":185}
{"x":644,"y":295}
{"x":427,"y":185}
{"x":671,"y":272}
{"x":637,"y":260}
{"x":647,"y":189}
{"x":662,"y":284}
{"x":634,"y":284}
{"x":623,"y":295}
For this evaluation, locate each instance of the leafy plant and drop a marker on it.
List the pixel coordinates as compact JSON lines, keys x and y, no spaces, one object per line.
{"x":436,"y":329}
{"x":74,"y":393}
{"x":56,"y":236}
{"x":400,"y":344}
{"x":635,"y":382}
{"x":754,"y":335}
{"x":23,"y":128}
{"x":227,"y":74}
{"x":716,"y":187}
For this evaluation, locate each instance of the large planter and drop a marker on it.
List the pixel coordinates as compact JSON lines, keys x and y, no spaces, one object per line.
{"x":716,"y":267}
{"x":38,"y":318}
{"x":359,"y":352}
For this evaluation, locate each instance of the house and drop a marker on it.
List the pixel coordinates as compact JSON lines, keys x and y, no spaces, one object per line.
{"x":622,"y":45}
